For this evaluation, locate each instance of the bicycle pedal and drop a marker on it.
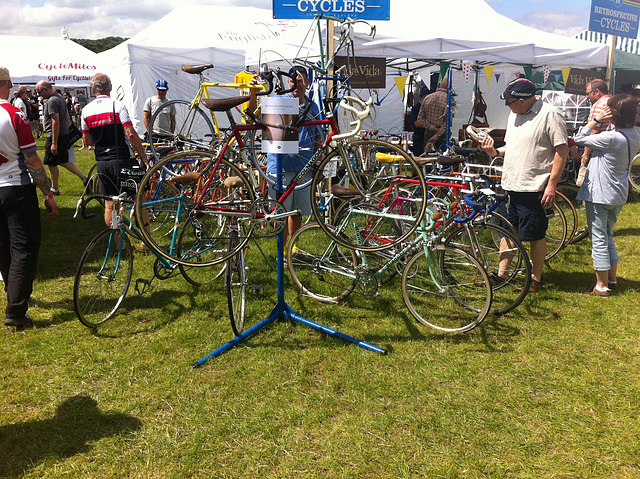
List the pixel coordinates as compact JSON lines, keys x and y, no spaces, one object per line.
{"x":257,"y":288}
{"x":143,"y":286}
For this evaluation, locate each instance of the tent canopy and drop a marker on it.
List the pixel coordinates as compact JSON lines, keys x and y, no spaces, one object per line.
{"x":64,"y":63}
{"x":472,"y":30}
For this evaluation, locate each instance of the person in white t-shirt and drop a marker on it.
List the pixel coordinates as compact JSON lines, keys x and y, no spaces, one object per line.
{"x":166,"y":123}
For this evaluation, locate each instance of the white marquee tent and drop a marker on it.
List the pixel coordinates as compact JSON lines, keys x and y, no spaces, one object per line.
{"x":62,"y":62}
{"x":193,"y":34}
{"x":417,"y":35}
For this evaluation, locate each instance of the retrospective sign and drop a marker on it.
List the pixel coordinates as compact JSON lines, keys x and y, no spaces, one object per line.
{"x":615,"y":17}
{"x":354,"y":9}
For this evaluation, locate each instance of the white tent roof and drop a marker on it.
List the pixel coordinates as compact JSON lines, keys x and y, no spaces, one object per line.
{"x":220,"y":35}
{"x":62,"y":62}
{"x":472,"y":30}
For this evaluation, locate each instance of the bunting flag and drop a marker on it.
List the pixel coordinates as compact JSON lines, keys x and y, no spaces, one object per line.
{"x":488,"y":72}
{"x":466,"y":70}
{"x":528,"y":72}
{"x":400,"y":83}
{"x":546,"y":71}
{"x":497,"y":77}
{"x":565,"y":74}
{"x":444,"y":67}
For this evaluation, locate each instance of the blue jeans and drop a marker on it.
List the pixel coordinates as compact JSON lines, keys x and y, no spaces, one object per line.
{"x":601,"y":220}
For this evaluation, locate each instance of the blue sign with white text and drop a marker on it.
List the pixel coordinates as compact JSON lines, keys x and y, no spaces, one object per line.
{"x":354,"y":9}
{"x":615,"y":17}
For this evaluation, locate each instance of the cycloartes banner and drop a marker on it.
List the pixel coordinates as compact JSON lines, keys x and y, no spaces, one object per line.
{"x":354,"y":9}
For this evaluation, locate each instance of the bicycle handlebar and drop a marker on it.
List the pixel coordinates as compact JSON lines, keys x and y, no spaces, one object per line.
{"x":361,"y":115}
{"x":83,"y":202}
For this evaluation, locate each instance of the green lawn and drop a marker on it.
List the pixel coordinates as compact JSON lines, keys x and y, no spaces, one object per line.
{"x":549,"y":390}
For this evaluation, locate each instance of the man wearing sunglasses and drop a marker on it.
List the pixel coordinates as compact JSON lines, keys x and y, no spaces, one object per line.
{"x":534,"y":154}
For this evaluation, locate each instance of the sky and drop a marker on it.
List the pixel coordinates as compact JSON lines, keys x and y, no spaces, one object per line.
{"x":124,"y":18}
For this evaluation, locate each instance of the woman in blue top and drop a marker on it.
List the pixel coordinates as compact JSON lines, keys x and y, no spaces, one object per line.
{"x":606,"y":184}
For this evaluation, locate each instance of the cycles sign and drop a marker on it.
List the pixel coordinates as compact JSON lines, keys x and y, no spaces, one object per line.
{"x":354,"y":9}
{"x":615,"y":17}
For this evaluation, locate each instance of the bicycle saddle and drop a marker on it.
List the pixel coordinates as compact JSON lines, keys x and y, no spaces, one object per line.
{"x":224,"y":104}
{"x":195,"y":69}
{"x":478,"y":134}
{"x":343,"y":192}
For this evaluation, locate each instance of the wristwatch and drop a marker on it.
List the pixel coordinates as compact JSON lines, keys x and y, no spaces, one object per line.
{"x":597,"y":121}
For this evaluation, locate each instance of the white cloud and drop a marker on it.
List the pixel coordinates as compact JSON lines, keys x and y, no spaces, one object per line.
{"x":92,"y":19}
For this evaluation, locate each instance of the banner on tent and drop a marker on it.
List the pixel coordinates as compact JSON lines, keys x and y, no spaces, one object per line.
{"x":577,"y":80}
{"x":363,"y":72}
{"x":615,"y":17}
{"x":354,"y":9}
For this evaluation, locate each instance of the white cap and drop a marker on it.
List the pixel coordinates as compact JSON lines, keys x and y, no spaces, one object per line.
{"x":4,"y":74}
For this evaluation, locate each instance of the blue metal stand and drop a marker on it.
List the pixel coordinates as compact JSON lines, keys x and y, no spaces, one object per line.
{"x":283,"y":311}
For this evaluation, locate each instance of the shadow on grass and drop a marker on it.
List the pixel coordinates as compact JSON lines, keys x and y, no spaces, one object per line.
{"x":132,"y":311}
{"x":628,"y":232}
{"x":78,"y":422}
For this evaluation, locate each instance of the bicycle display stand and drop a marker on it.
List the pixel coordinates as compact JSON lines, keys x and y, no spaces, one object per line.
{"x":283,"y":311}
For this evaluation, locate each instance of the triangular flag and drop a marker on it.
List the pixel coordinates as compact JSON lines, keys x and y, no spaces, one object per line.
{"x":565,"y":74}
{"x":444,"y":66}
{"x":528,"y":72}
{"x":466,"y":70}
{"x":488,"y":72}
{"x":546,"y":70}
{"x":401,"y":82}
{"x":497,"y":76}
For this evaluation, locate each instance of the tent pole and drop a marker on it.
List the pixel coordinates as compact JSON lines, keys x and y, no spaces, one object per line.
{"x":612,"y":50}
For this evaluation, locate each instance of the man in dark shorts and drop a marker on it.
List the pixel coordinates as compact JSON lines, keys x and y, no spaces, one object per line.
{"x":56,"y":123}
{"x":107,"y":126}
{"x":534,"y":155}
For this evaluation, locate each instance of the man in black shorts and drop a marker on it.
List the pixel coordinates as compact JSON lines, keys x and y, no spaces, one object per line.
{"x":107,"y":126}
{"x":56,"y":123}
{"x":534,"y":155}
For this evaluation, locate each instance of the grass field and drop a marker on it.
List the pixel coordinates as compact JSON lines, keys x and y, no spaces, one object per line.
{"x":549,"y":390}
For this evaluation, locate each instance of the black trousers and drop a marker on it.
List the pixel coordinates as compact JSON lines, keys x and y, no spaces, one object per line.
{"x":20,"y":235}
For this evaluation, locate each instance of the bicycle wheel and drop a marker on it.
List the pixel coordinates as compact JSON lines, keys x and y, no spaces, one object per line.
{"x":193,"y":129}
{"x":556,"y":235}
{"x":634,"y":172}
{"x":571,"y":215}
{"x":506,"y":262}
{"x":372,"y":167}
{"x":197,"y":275}
{"x":205,"y":196}
{"x":102,"y":278}
{"x":446,"y":289}
{"x":235,"y":280}
{"x":582,"y":230}
{"x":319,"y":267}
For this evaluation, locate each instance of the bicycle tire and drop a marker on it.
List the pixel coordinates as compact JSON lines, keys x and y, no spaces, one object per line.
{"x":507,"y":262}
{"x":321,"y":268}
{"x":582,"y":230}
{"x":94,"y":184}
{"x":197,"y":275}
{"x":236,"y":284}
{"x":101,"y":282}
{"x":556,"y":234}
{"x":193,"y":130}
{"x":446,"y":289}
{"x":634,"y":172}
{"x":570,"y":214}
{"x":201,"y":210}
{"x":366,"y":172}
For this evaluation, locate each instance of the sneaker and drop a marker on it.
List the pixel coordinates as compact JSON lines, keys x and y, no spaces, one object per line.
{"x":612,"y":286}
{"x":534,"y":287}
{"x":25,"y":322}
{"x":592,"y":290}
{"x":55,"y":191}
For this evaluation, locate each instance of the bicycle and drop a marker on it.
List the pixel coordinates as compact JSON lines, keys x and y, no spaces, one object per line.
{"x":215,"y":193}
{"x":104,"y":273}
{"x":193,"y":129}
{"x":442,"y":286}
